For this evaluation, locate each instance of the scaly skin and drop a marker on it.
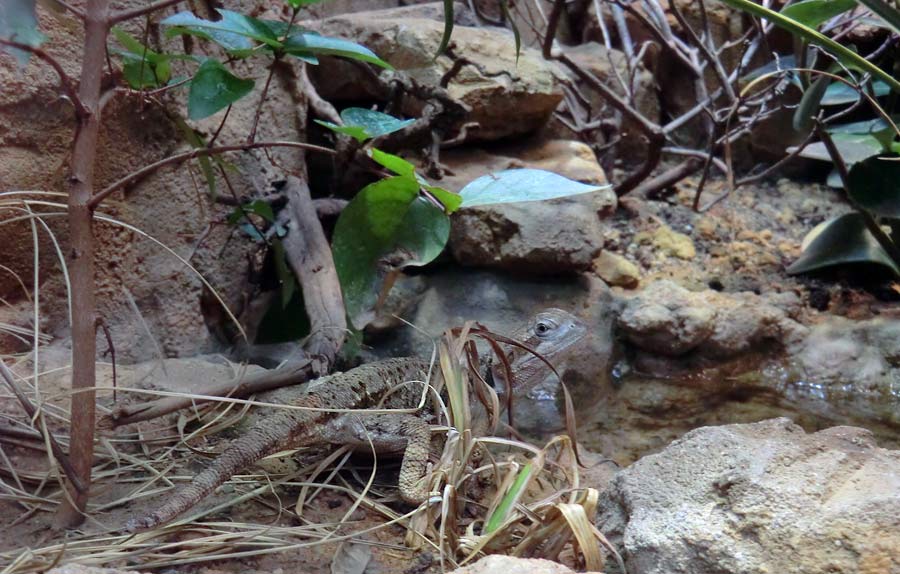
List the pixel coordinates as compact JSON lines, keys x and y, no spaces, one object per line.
{"x":552,"y":333}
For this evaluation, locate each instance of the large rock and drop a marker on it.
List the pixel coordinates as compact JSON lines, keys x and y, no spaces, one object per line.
{"x":670,"y":320}
{"x":540,"y":237}
{"x":507,"y":97}
{"x":759,"y":498}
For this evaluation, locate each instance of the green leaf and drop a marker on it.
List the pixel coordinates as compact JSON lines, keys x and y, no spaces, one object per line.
{"x":839,"y":93}
{"x":845,"y":55}
{"x":875,"y":186}
{"x":814,"y":13}
{"x":451,"y":201}
{"x":862,"y":127}
{"x":18,"y":23}
{"x":521,"y":185}
{"x":195,"y":141}
{"x":809,"y":104}
{"x":258,"y":207}
{"x":283,"y":270}
{"x":448,"y":27}
{"x":852,"y":148}
{"x":841,"y":241}
{"x":214,"y":88}
{"x":385,"y":222}
{"x":234,"y":32}
{"x":363,"y":124}
{"x":301,"y":3}
{"x":395,"y":163}
{"x":356,"y":132}
{"x":306,"y":43}
{"x":509,"y":500}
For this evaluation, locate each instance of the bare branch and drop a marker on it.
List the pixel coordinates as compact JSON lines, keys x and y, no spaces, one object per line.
{"x":120,"y":17}
{"x":68,"y":85}
{"x":144,"y":171}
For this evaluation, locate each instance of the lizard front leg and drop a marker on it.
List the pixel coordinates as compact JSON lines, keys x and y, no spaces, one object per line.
{"x":389,"y":433}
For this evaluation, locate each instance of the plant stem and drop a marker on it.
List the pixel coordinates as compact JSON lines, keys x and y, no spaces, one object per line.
{"x":81,"y":264}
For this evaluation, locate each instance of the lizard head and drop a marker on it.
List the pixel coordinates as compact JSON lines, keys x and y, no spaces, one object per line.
{"x":553,"y":334}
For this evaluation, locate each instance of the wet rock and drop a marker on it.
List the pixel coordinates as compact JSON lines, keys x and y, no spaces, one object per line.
{"x":763,"y":497}
{"x":616,"y":270}
{"x":497,"y":564}
{"x":538,"y":237}
{"x":670,"y":320}
{"x":507,"y":97}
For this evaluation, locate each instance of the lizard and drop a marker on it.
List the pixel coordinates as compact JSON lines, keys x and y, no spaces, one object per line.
{"x":320,"y":416}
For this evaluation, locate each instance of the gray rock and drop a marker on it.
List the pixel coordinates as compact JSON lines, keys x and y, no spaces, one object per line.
{"x":497,"y":564}
{"x":759,"y":498}
{"x":668,"y":319}
{"x":507,"y":97}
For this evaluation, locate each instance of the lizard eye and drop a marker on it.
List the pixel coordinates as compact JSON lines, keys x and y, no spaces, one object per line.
{"x":542,"y":328}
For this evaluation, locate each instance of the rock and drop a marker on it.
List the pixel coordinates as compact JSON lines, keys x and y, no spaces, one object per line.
{"x":540,"y":237}
{"x":670,"y":320}
{"x":507,"y":97}
{"x":616,"y":270}
{"x":755,"y":498}
{"x":668,"y":242}
{"x":497,"y":564}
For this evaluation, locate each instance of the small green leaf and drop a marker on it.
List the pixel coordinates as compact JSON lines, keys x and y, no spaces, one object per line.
{"x":841,"y":241}
{"x":509,"y":500}
{"x":307,"y":43}
{"x":809,"y":104}
{"x":448,"y":27}
{"x":386,"y":223}
{"x":875,"y":186}
{"x":214,"y":88}
{"x":234,"y":32}
{"x":451,"y":201}
{"x":364,"y":124}
{"x":839,"y":93}
{"x":395,"y":163}
{"x":504,"y":5}
{"x":814,"y":13}
{"x":18,"y":23}
{"x":283,"y":270}
{"x":301,"y":3}
{"x":356,"y":132}
{"x":521,"y":185}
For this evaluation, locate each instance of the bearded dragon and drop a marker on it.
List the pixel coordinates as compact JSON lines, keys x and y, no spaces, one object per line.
{"x":319,"y":416}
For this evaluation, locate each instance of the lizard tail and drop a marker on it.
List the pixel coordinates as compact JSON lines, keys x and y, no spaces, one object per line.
{"x":256,"y":444}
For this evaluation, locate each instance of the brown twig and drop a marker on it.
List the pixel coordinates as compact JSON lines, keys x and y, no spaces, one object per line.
{"x":32,"y":413}
{"x":68,"y":85}
{"x":178,"y":158}
{"x":124,"y":15}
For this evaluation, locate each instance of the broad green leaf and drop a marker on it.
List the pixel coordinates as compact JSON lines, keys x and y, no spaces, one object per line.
{"x":385,"y":222}
{"x":875,"y":186}
{"x":448,"y":27}
{"x":214,"y":88}
{"x":308,"y":43}
{"x":141,"y":74}
{"x":852,"y":147}
{"x":235,"y":32}
{"x":18,"y":23}
{"x":395,"y":163}
{"x":814,"y":13}
{"x":845,"y":55}
{"x":862,"y":127}
{"x":841,"y":241}
{"x":521,"y":185}
{"x":839,"y":93}
{"x":452,"y":201}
